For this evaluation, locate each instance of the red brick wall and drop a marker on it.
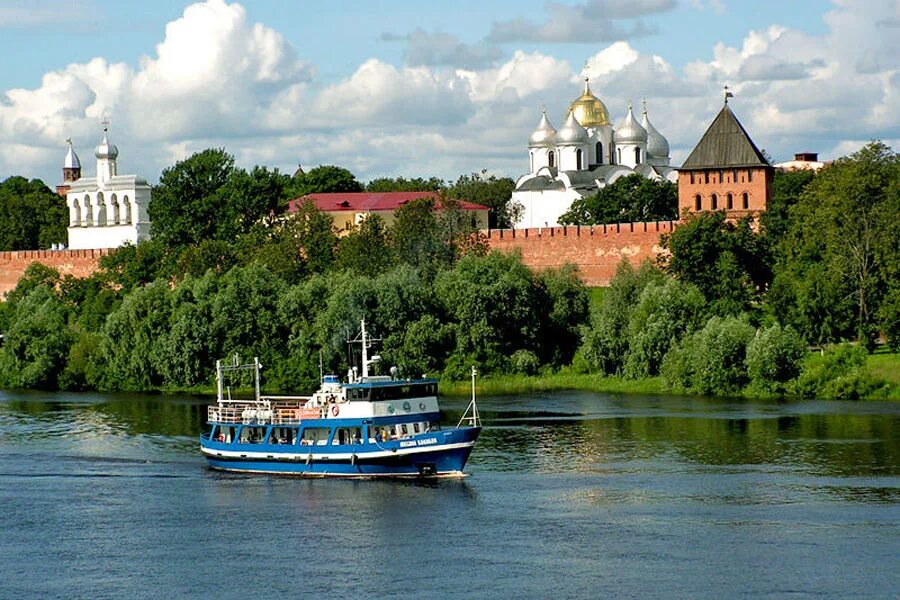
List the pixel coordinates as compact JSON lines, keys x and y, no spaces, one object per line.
{"x":79,"y":263}
{"x":756,"y":183}
{"x":596,"y":250}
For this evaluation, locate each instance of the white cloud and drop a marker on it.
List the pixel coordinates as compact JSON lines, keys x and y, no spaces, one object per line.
{"x":443,"y":49}
{"x":217,"y":79}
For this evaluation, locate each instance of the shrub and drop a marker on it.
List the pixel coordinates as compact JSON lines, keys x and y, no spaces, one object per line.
{"x":712,"y":360}
{"x":525,"y":362}
{"x":774,"y":357}
{"x":838,"y":374}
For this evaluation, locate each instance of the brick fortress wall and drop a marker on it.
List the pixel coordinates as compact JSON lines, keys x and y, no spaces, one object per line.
{"x":78,"y":263}
{"x":596,"y":250}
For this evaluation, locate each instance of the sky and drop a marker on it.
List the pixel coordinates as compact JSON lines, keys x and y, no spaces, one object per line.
{"x":411,"y":88}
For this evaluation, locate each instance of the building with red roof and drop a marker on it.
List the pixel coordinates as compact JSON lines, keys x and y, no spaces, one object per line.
{"x":348,"y":209}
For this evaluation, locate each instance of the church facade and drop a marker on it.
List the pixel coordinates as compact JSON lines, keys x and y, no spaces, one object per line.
{"x":108,"y":210}
{"x":584,"y":155}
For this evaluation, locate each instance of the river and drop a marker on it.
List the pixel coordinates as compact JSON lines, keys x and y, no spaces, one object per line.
{"x":571,"y":495}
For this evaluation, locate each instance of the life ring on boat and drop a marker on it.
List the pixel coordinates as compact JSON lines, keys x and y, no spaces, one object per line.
{"x":221,"y":437}
{"x":335,"y":409}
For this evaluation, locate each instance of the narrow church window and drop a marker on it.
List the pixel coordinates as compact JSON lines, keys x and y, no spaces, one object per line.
{"x":551,"y":158}
{"x":715,"y":202}
{"x":749,"y":176}
{"x":127,"y":206}
{"x":721,"y":176}
{"x":619,"y":152}
{"x":101,"y":210}
{"x":114,"y":202}
{"x":637,"y":156}
{"x":746,"y":200}
{"x":600,"y":153}
{"x":88,"y":215}
{"x":698,"y":203}
{"x":692,"y":177}
{"x":77,"y":212}
{"x":734,"y":176}
{"x":578,"y":159}
{"x":730,"y":201}
{"x":706,"y":176}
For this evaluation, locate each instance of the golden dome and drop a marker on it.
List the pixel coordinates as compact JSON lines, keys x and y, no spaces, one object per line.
{"x":588,"y":109}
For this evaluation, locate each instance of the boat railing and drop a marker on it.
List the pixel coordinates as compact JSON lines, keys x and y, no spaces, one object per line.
{"x":267,"y":411}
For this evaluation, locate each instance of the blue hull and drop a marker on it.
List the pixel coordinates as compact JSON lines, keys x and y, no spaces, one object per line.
{"x":399,"y":458}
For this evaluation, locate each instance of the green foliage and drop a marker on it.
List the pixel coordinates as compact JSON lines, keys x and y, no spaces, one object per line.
{"x":365,"y":250}
{"x":401,"y":184}
{"x":838,"y":373}
{"x":491,"y":191}
{"x":712,"y":360}
{"x":787,"y":187}
{"x":416,"y":235}
{"x":628,"y":199}
{"x":840,"y":253}
{"x":728,"y":262}
{"x":31,"y":215}
{"x":37,"y":342}
{"x":324,"y":179}
{"x":605,"y":340}
{"x":774,"y":358}
{"x":665,"y":312}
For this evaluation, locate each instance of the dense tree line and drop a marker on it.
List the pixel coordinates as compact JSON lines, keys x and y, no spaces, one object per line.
{"x":731,"y":307}
{"x":227,"y":271}
{"x":629,"y":199}
{"x":32,"y":216}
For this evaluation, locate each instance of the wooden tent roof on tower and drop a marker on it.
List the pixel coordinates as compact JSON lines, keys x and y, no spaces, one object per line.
{"x":725,"y":144}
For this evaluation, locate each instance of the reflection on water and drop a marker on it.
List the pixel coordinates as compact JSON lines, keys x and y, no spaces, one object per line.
{"x":570,"y":495}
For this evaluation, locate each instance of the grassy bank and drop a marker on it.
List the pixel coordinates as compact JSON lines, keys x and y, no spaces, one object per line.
{"x":518,"y":384}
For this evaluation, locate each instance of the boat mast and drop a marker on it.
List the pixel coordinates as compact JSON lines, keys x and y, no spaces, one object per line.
{"x":365,"y":350}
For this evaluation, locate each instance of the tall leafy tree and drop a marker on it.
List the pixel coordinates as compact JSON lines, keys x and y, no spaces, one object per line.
{"x":365,"y":249}
{"x":324,"y":179}
{"x":32,"y":216}
{"x":628,"y":199}
{"x":843,"y":241}
{"x":491,"y":191}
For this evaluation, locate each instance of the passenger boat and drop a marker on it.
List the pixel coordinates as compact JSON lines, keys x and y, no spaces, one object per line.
{"x":367,"y":427}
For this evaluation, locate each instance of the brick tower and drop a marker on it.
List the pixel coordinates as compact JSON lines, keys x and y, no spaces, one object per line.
{"x":725,"y":171}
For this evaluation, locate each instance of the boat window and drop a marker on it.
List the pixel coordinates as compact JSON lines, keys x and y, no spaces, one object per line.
{"x":416,"y":428}
{"x":433,"y":426}
{"x":404,"y":429}
{"x":224,"y":433}
{"x":315,"y":436}
{"x":282,"y":435}
{"x":252,"y":435}
{"x":345,"y":436}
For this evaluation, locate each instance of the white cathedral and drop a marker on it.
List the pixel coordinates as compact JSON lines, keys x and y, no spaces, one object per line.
{"x":584,"y":155}
{"x":108,"y":210}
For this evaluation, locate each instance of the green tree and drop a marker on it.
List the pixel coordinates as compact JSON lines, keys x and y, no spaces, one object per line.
{"x":415,"y":235}
{"x":365,"y":249}
{"x":491,"y":191}
{"x":727,"y":261}
{"x":787,"y":187}
{"x":843,"y":239}
{"x":324,"y":179}
{"x":32,"y":216}
{"x":401,"y":184}
{"x":185,"y":207}
{"x":632,"y":198}
{"x":774,"y":358}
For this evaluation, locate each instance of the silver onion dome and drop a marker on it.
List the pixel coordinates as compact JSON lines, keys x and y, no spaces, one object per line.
{"x":657,"y":145}
{"x":71,"y":161}
{"x":545,"y":135}
{"x":105,"y":149}
{"x":572,"y":132}
{"x":630,"y":131}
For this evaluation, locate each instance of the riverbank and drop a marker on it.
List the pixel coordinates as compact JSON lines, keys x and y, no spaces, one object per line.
{"x":882,"y":371}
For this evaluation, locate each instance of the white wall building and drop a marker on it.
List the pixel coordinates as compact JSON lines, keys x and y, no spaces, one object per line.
{"x":108,"y":210}
{"x":586,"y":154}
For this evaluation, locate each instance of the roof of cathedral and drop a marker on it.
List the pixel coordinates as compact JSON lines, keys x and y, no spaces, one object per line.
{"x":630,"y":130}
{"x":657,"y":145}
{"x":572,"y":132}
{"x":371,"y":201}
{"x":726,"y":144}
{"x":544,"y":135}
{"x":589,"y":109}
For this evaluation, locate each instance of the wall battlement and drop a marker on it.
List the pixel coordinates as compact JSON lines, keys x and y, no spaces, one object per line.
{"x":78,"y":263}
{"x":596,"y":250}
